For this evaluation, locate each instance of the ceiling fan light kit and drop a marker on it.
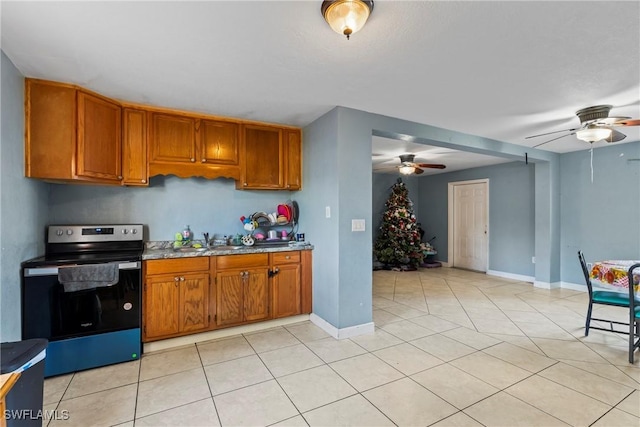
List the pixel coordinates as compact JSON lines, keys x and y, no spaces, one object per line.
{"x":346,"y":16}
{"x":407,"y":165}
{"x":406,"y":170}
{"x":593,"y":133}
{"x":595,"y":125}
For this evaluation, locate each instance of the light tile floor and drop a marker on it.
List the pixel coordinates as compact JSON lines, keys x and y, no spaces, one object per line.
{"x":451,"y":348}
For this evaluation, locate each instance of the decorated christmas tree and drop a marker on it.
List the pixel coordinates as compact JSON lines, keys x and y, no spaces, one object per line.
{"x":398,"y":245}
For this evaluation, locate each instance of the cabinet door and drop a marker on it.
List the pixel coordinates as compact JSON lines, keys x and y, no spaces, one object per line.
{"x":99,"y":138}
{"x":134,"y":147}
{"x":286,"y":291}
{"x":293,"y":154}
{"x":219,"y":142}
{"x":50,"y":130}
{"x":162,"y":295}
{"x":256,"y":295}
{"x":172,"y":139}
{"x":229,"y":297}
{"x":194,"y":289}
{"x":263,"y":166}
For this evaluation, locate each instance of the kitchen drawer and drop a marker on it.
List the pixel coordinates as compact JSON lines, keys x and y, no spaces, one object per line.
{"x":226,"y":262}
{"x":292,"y":257}
{"x":176,"y":265}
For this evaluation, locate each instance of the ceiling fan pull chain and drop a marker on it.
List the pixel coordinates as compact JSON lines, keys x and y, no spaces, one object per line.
{"x":591,"y":152}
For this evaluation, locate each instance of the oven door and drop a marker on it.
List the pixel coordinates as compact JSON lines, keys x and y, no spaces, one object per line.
{"x":50,"y":312}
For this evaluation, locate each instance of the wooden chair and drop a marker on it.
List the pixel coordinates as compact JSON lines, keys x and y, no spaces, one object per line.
{"x":616,"y":299}
{"x":634,"y":315}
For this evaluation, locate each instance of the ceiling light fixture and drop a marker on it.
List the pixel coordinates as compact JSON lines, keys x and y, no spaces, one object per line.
{"x":593,"y":133}
{"x":406,"y":170}
{"x":346,"y":16}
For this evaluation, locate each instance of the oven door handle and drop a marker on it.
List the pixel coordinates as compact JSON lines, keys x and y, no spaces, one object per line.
{"x":53,"y":271}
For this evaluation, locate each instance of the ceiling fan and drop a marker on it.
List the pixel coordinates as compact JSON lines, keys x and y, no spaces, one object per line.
{"x":595,"y":125}
{"x":408,"y":167}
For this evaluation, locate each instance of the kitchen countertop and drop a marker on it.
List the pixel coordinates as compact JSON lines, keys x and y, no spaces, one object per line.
{"x":153,"y":250}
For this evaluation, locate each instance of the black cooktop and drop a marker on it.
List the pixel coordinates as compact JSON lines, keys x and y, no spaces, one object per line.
{"x":83,"y":258}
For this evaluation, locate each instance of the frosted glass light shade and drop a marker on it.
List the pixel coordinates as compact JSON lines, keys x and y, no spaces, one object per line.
{"x":593,"y":134}
{"x":346,"y":16}
{"x":406,"y":170}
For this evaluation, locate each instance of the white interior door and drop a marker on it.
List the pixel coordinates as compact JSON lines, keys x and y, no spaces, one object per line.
{"x":470,"y":226}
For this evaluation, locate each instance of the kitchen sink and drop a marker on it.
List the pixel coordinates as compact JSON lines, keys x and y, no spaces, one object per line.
{"x":188,"y":249}
{"x":226,"y":248}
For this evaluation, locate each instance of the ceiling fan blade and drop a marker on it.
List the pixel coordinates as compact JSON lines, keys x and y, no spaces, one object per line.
{"x":542,"y":143}
{"x":430,"y":165}
{"x":417,"y":171}
{"x":551,"y":133}
{"x":627,"y":122}
{"x":616,"y":136}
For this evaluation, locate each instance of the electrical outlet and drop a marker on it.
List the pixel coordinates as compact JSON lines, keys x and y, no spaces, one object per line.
{"x":327,"y":212}
{"x":533,"y":260}
{"x":357,"y":225}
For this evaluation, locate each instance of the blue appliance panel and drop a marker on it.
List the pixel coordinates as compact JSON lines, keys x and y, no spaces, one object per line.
{"x":76,"y":354}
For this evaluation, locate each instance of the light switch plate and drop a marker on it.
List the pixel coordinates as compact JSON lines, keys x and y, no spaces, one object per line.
{"x":357,"y":225}
{"x":327,"y":211}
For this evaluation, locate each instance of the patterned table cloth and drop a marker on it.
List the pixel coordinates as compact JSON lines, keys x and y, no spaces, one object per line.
{"x":613,"y":273}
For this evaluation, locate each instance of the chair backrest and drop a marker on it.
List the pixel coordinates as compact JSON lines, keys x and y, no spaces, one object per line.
{"x":585,"y":271}
{"x":632,"y":296}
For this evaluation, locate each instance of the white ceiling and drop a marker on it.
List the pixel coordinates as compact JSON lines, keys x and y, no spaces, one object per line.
{"x":498,"y":69}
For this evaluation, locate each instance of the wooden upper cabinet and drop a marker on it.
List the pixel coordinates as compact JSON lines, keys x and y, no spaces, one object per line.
{"x":263,"y":165}
{"x":173,"y":139}
{"x":190,"y":146}
{"x":134,"y":147}
{"x":219,"y":142}
{"x":293,"y":159}
{"x":71,"y":134}
{"x":99,"y":138}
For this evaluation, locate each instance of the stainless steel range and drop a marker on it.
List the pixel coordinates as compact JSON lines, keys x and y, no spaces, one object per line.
{"x":84,"y":296}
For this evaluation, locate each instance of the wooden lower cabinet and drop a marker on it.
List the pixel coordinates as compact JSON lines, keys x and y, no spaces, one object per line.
{"x":176,"y":297}
{"x":189,"y":295}
{"x":286,"y":281}
{"x":242,"y":289}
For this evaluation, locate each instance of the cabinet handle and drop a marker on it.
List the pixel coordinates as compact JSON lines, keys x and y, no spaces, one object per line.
{"x":193,"y":160}
{"x":245,"y":184}
{"x":119,"y":176}
{"x":287,"y":257}
{"x":288,"y":185}
{"x":182,"y":278}
{"x":204,"y":160}
{"x":144,"y":181}
{"x":176,"y":278}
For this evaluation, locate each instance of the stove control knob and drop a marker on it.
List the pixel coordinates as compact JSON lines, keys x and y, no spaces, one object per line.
{"x":134,"y":231}
{"x":59,"y":232}
{"x":69,"y":232}
{"x":125,"y":231}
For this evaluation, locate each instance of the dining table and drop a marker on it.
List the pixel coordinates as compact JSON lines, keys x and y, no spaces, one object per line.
{"x":613,"y":274}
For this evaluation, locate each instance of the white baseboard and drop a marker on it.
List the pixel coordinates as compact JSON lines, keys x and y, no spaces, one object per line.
{"x":351,"y":331}
{"x":221,"y":333}
{"x":547,"y":285}
{"x":520,"y":277}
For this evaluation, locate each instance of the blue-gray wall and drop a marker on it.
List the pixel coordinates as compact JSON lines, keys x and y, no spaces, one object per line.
{"x":23,"y":202}
{"x":166,"y":206}
{"x":511,"y":213}
{"x":601,"y":218}
{"x":321,"y":185}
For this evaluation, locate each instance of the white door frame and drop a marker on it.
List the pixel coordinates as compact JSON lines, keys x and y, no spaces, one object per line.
{"x":450,"y":188}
